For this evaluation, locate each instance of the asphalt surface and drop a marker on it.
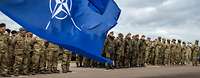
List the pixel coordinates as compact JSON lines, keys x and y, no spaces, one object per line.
{"x":147,"y":72}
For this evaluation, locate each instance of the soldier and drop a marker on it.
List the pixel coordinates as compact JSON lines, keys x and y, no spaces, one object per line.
{"x":119,"y":49}
{"x":3,"y":51}
{"x":19,"y":44}
{"x":52,"y":58}
{"x":167,"y":53}
{"x":66,"y":61}
{"x":37,"y":58}
{"x":132,"y":53}
{"x":11,"y":55}
{"x":79,"y":61}
{"x":128,"y":50}
{"x":195,"y":53}
{"x":142,"y":50}
{"x":148,"y":50}
{"x":27,"y":53}
{"x":188,"y":53}
{"x":152,"y":52}
{"x":183,"y":53}
{"x":173,"y":52}
{"x":178,"y":53}
{"x":109,"y":48}
{"x":158,"y":49}
{"x":162,"y":53}
{"x":135,"y":45}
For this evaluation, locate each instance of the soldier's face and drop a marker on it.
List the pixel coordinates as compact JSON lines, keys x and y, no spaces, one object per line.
{"x":2,"y":29}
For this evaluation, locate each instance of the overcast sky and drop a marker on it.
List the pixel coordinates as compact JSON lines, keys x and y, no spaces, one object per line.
{"x":178,"y":19}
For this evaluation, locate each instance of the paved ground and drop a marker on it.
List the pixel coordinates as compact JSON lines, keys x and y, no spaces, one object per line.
{"x":148,"y":72}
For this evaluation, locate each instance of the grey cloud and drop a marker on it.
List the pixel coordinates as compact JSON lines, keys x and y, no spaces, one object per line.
{"x":168,"y":18}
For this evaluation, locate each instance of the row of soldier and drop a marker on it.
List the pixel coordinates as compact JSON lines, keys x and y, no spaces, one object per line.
{"x":22,"y":54}
{"x":132,"y":51}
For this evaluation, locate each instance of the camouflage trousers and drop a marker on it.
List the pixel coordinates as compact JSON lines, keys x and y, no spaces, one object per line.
{"x":18,"y":62}
{"x":11,"y":59}
{"x":65,"y":66}
{"x":167,"y":57}
{"x":35,"y":62}
{"x":52,"y":61}
{"x":3,"y":63}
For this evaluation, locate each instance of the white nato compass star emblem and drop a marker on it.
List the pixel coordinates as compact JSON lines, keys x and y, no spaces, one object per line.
{"x":61,"y":6}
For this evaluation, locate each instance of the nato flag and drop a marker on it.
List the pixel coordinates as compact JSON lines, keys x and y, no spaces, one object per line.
{"x":77,"y":25}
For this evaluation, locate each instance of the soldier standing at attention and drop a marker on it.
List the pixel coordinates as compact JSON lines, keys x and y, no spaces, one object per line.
{"x":66,"y":58}
{"x":27,"y":53}
{"x":178,"y":52}
{"x":173,"y":52}
{"x":148,"y":49}
{"x":128,"y":48}
{"x":119,"y":47}
{"x":109,"y":48}
{"x":11,"y":55}
{"x":19,"y":42}
{"x":132,"y":53}
{"x":167,"y":53}
{"x":3,"y":51}
{"x":188,"y":53}
{"x":136,"y":50}
{"x":195,"y":53}
{"x":38,"y":50}
{"x":52,"y":57}
{"x":142,"y":50}
{"x":158,"y":50}
{"x":162,"y":54}
{"x":183,"y":53}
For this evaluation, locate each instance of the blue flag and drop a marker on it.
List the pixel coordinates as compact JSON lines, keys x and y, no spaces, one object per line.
{"x":77,"y":25}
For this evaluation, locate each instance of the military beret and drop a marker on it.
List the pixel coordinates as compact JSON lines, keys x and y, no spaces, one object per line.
{"x":137,"y":35}
{"x":2,"y":25}
{"x":8,"y":30}
{"x":143,"y":35}
{"x":13,"y":32}
{"x":21,"y":29}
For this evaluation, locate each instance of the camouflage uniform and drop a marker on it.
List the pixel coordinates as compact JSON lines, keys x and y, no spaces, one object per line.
{"x":3,"y":53}
{"x":136,"y":47}
{"x":148,"y":51}
{"x":162,"y":53}
{"x":38,"y":58}
{"x":183,"y":53}
{"x":152,"y":53}
{"x":52,"y":58}
{"x":11,"y":55}
{"x":178,"y":52}
{"x":27,"y":53}
{"x":173,"y":52}
{"x":132,"y":53}
{"x":195,"y":53}
{"x":109,"y":48}
{"x":167,"y":53}
{"x":188,"y":54}
{"x":158,"y":50}
{"x":119,"y":51}
{"x":128,"y":50}
{"x":66,"y":61}
{"x":142,"y":50}
{"x":19,"y":42}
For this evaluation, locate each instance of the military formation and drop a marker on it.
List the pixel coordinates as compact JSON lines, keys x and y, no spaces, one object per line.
{"x":21,"y":53}
{"x":139,"y":51}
